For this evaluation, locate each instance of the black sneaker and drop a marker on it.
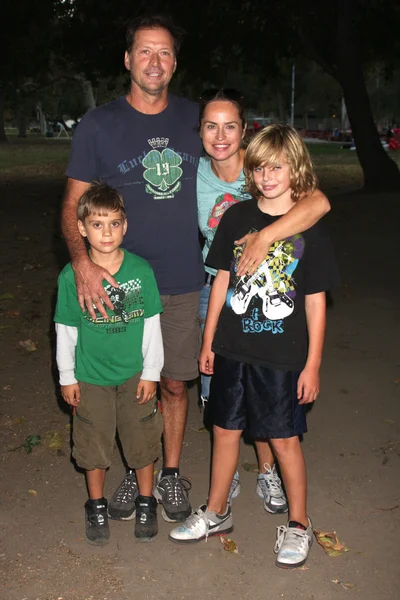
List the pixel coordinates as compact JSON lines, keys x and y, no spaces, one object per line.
{"x":96,"y":521}
{"x":146,"y":527}
{"x":122,"y":505}
{"x":172,"y":491}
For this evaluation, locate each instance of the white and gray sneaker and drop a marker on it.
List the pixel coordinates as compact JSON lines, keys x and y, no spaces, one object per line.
{"x":172,"y":491}
{"x":234,"y":490}
{"x":269,"y":488}
{"x":201,"y":525}
{"x":292,"y":545}
{"x":122,"y":507}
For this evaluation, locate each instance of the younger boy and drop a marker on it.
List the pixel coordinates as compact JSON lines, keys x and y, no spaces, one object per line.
{"x":109,"y":367}
{"x":263,"y":339}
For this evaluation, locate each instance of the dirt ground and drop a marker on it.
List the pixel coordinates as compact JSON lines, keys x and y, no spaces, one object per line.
{"x":352,"y":448}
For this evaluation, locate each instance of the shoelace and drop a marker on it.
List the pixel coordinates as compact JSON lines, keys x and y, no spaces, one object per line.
{"x":177,"y":488}
{"x":290,"y":535}
{"x":128,"y":486}
{"x":274,"y":482}
{"x":195,"y":517}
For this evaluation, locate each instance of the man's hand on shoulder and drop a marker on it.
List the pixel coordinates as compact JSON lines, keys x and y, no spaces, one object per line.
{"x":89,"y":284}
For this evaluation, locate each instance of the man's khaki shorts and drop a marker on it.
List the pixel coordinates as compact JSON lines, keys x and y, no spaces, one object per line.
{"x":180,"y":325}
{"x":102,"y":410}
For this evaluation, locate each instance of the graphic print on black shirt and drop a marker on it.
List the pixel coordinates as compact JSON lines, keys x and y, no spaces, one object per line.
{"x":273,"y":282}
{"x":263,"y":320}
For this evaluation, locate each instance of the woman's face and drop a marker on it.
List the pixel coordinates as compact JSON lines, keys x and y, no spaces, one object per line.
{"x":221,"y":129}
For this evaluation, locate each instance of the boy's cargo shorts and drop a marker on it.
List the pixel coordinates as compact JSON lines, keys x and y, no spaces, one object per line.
{"x":103,"y":410}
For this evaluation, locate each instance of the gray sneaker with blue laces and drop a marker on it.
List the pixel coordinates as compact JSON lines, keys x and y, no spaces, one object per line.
{"x":234,"y":490}
{"x":269,"y":488}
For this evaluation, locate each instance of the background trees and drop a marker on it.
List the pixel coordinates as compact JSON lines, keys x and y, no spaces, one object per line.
{"x":341,"y":47}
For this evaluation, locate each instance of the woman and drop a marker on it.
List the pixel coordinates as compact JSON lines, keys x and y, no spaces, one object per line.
{"x":220,"y":184}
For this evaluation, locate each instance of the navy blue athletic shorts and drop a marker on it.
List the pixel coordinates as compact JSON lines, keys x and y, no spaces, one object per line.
{"x":257,"y":399}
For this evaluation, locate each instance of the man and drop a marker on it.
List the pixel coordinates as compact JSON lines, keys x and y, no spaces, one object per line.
{"x":146,"y":146}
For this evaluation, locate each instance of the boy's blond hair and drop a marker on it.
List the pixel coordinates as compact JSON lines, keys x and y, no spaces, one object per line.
{"x":100,"y":199}
{"x":272,"y":144}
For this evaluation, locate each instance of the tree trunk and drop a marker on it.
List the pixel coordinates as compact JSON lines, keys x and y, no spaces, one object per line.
{"x":42,"y":119}
{"x":3,"y":137}
{"x":380,"y":171}
{"x":21,"y":124}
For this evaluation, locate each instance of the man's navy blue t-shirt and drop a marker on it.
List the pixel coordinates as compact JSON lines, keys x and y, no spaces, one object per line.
{"x":152,"y":161}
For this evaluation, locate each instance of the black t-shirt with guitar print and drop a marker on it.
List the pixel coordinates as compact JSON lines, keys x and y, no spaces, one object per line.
{"x":263,"y":320}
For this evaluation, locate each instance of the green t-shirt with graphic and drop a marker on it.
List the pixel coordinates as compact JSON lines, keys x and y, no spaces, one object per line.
{"x":109,"y":351}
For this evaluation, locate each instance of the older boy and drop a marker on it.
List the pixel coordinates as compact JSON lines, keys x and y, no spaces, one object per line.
{"x":263,"y":339}
{"x":109,"y":366}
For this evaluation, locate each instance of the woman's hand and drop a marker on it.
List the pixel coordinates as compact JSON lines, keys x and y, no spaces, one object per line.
{"x":256,"y":248}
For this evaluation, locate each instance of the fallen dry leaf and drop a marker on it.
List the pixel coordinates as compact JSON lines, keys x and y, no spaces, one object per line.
{"x":229,"y":545}
{"x":33,"y":492}
{"x":330,"y":542}
{"x":28,"y":345}
{"x":346,"y":586}
{"x":6,"y":296}
{"x":199,"y":430}
{"x":13,"y":313}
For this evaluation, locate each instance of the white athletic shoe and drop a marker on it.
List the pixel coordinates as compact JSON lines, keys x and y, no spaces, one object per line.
{"x":234,"y":490}
{"x":269,"y":488}
{"x":201,"y":525}
{"x":292,"y":545}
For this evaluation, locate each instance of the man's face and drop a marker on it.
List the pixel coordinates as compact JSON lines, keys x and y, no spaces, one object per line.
{"x":151,"y":62}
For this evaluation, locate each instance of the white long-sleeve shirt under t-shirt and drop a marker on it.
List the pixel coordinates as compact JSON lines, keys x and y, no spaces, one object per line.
{"x":152,"y":351}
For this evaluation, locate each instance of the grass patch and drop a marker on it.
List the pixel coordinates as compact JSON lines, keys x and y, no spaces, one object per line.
{"x":338,"y":170}
{"x":334,"y":148}
{"x":34,"y":156}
